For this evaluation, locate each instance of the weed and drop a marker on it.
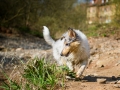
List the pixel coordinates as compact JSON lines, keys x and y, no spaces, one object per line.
{"x":9,"y":84}
{"x":39,"y":75}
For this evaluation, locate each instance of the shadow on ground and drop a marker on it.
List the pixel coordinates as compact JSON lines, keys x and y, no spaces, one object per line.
{"x":94,"y":78}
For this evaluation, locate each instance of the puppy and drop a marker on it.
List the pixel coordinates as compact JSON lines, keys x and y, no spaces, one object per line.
{"x":72,"y":49}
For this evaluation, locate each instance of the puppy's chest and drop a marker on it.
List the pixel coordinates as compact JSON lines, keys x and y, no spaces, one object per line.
{"x":76,"y":59}
{"x":72,"y":58}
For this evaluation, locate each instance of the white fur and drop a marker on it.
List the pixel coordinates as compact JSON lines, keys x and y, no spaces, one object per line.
{"x":83,"y":52}
{"x":85,"y":43}
{"x":47,"y":36}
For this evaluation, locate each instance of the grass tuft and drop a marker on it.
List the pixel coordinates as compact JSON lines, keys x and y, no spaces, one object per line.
{"x":39,"y":75}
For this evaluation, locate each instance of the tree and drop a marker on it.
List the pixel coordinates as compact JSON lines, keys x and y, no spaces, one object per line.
{"x":58,"y":15}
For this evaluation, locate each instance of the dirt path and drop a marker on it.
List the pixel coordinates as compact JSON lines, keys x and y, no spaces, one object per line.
{"x":104,"y":66}
{"x":104,"y":61}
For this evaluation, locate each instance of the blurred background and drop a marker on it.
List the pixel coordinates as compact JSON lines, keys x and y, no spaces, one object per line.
{"x":21,"y":41}
{"x":93,"y":17}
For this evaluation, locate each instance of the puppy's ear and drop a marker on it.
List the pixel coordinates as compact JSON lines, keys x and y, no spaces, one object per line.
{"x":62,"y":38}
{"x":75,"y":43}
{"x":71,"y":33}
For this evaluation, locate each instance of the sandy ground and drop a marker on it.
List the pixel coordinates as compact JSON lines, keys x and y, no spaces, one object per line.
{"x":105,"y":65}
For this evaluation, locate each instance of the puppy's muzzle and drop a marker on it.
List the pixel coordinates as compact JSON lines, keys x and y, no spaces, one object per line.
{"x":65,"y":54}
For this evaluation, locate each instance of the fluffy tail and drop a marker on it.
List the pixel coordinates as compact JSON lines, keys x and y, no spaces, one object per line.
{"x":47,"y":36}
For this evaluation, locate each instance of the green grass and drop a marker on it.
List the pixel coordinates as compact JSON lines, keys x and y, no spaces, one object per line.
{"x":39,"y":75}
{"x":11,"y":86}
{"x":101,"y":30}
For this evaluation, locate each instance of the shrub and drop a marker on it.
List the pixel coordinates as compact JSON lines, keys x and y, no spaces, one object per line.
{"x":38,"y":75}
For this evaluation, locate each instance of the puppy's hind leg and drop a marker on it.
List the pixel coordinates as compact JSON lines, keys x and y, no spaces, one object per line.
{"x":81,"y":69}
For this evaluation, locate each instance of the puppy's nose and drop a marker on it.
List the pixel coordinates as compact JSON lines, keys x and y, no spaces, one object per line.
{"x":61,"y":54}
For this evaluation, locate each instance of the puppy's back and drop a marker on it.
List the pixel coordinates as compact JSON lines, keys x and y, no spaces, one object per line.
{"x":84,"y":41}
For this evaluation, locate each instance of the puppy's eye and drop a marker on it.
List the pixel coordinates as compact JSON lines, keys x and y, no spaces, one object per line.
{"x":67,"y":44}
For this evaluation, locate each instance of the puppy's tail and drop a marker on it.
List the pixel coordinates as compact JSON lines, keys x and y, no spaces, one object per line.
{"x":47,"y":36}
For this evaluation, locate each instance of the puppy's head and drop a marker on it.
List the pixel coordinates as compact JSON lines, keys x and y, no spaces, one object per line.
{"x":71,"y":44}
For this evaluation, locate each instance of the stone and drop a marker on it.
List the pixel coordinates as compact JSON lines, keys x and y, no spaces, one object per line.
{"x":92,"y":52}
{"x":118,"y":82}
{"x":117,"y":85}
{"x":19,"y":49}
{"x":100,"y":63}
{"x":21,"y":55}
{"x":69,"y":78}
{"x":112,"y":82}
{"x":117,"y":63}
{"x":101,"y":81}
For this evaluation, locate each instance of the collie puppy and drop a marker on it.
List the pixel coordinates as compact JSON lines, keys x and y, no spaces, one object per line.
{"x":72,"y":49}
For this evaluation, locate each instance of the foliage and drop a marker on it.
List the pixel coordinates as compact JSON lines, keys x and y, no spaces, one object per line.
{"x":39,"y":75}
{"x":106,"y":29}
{"x":58,"y":15}
{"x":11,"y":86}
{"x":117,"y":13}
{"x":102,"y":30}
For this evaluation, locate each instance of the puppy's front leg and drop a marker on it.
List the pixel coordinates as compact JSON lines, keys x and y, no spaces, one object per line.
{"x":81,"y":69}
{"x":70,"y":66}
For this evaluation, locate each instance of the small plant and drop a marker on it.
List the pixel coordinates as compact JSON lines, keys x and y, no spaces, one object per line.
{"x":39,"y":75}
{"x":10,"y":85}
